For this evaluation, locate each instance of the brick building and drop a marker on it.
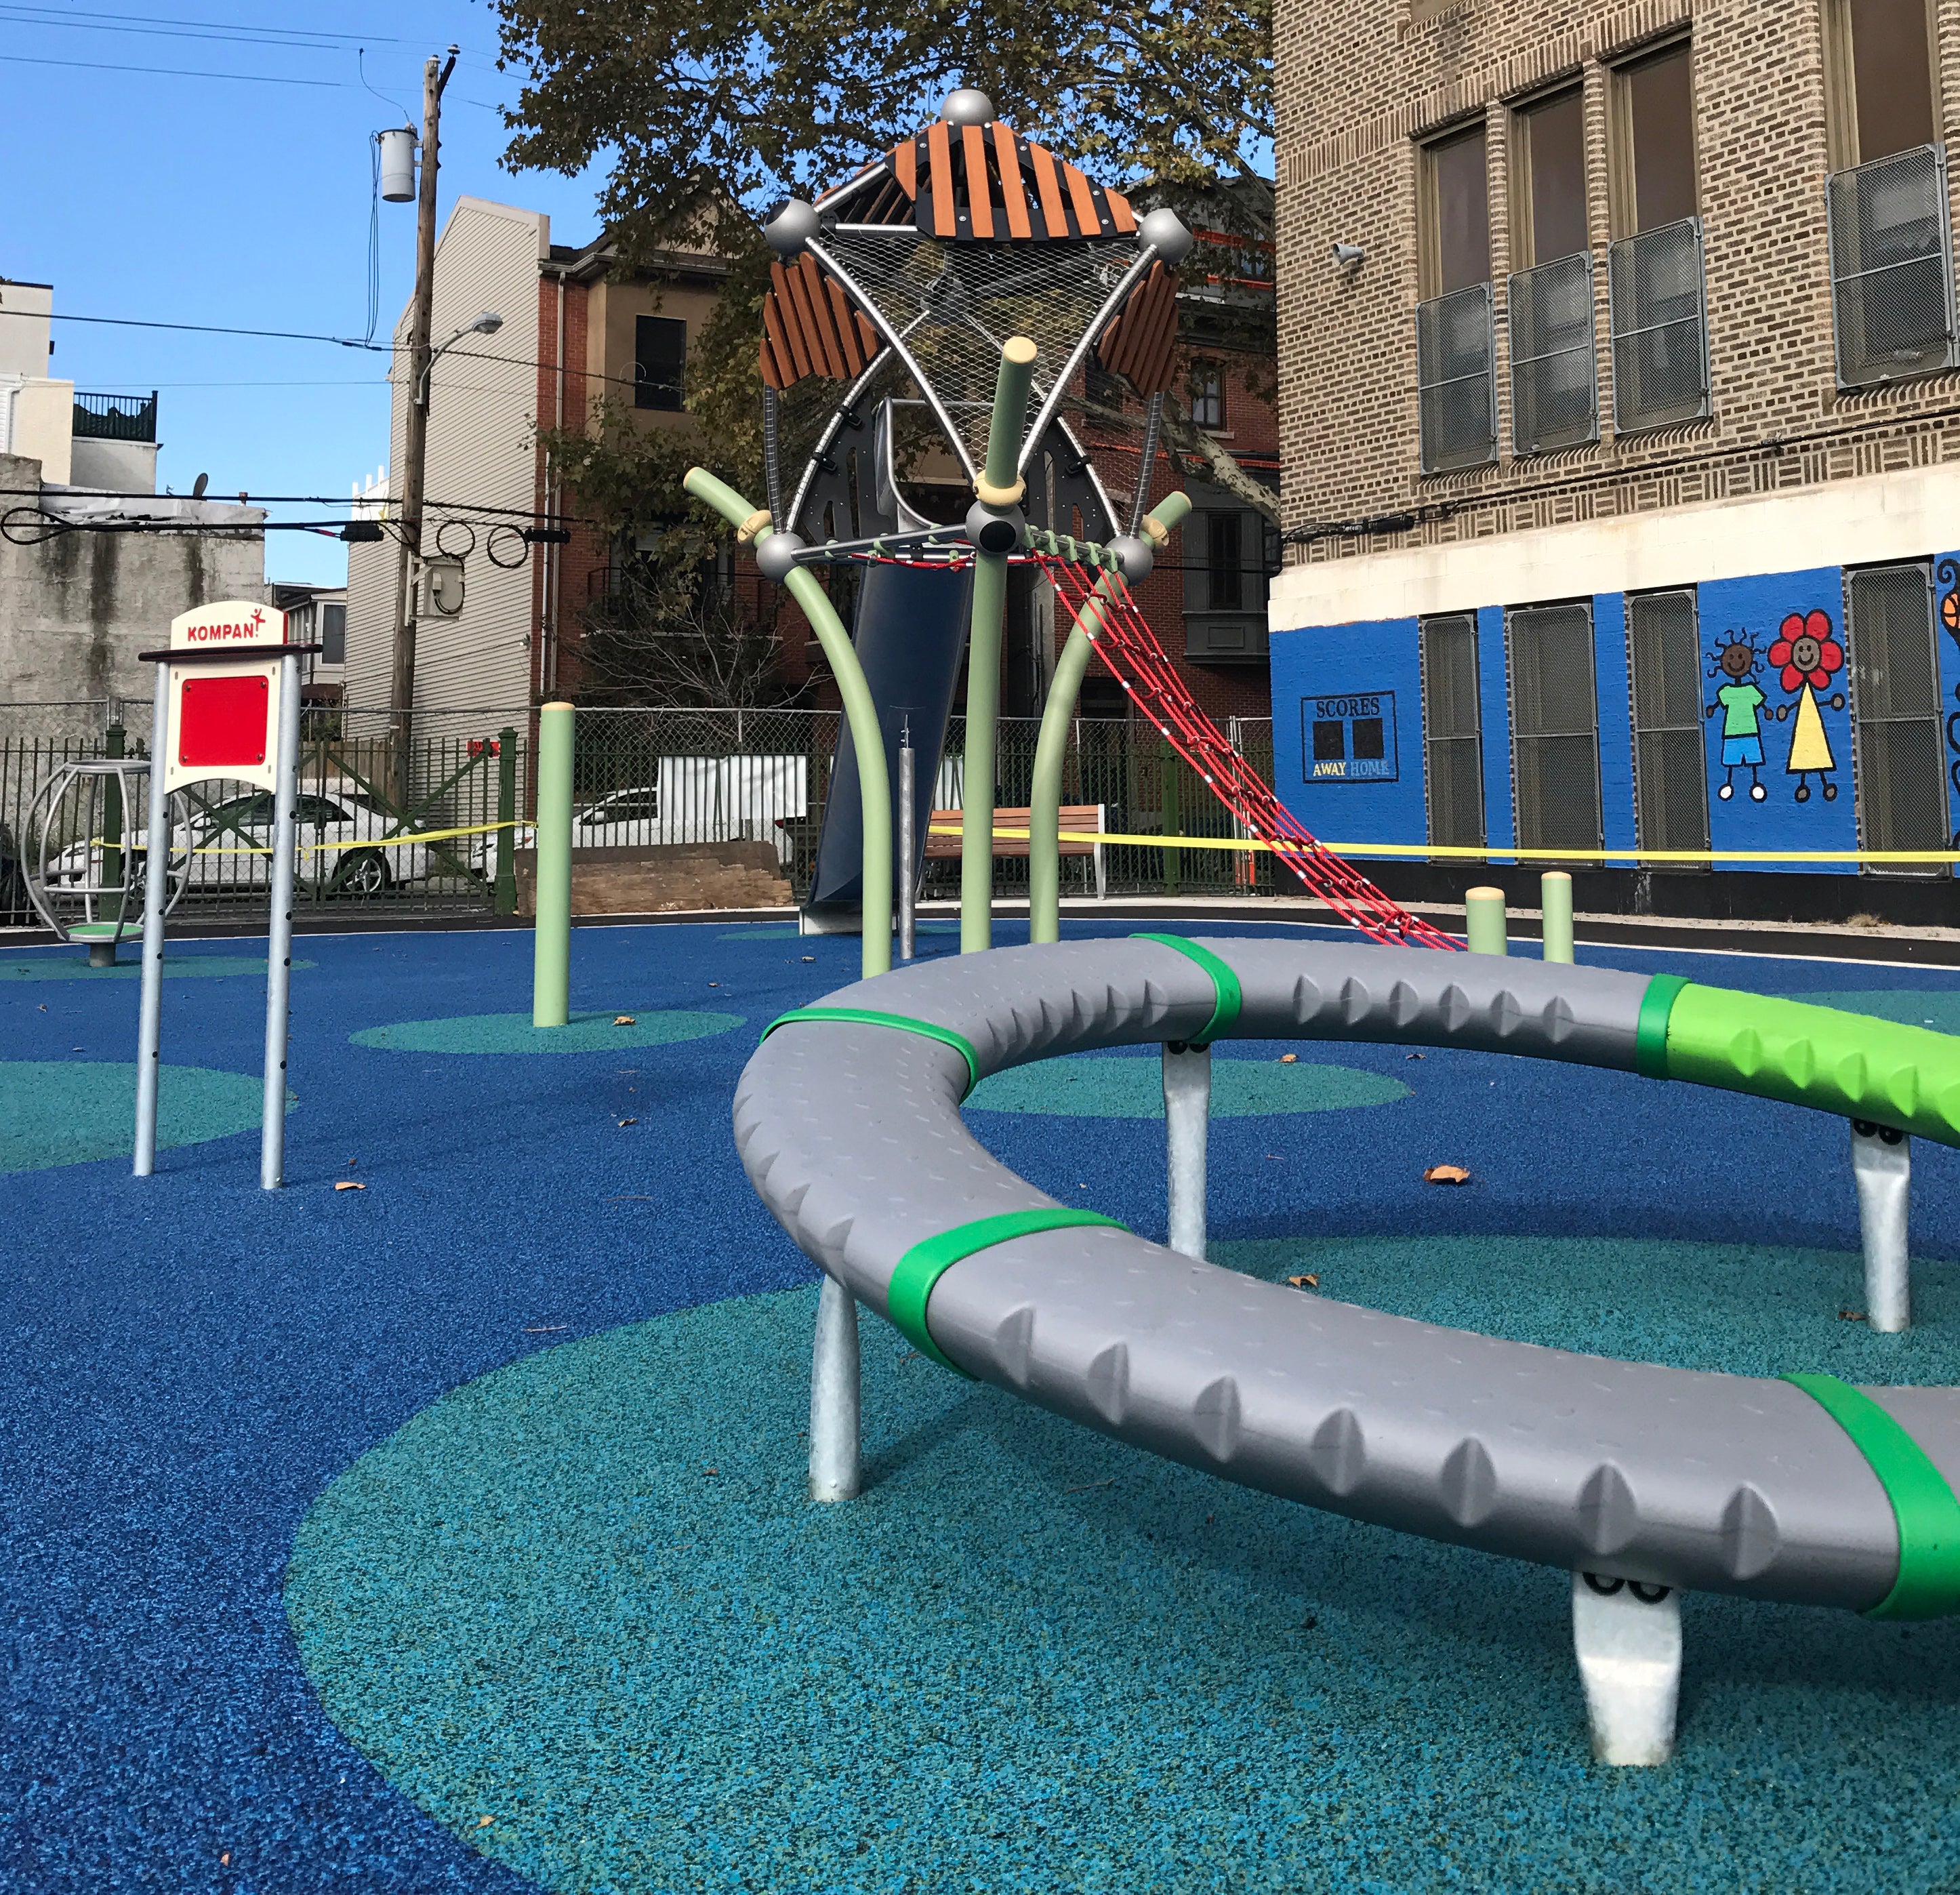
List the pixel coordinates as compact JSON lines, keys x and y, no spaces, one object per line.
{"x":1622,"y":439}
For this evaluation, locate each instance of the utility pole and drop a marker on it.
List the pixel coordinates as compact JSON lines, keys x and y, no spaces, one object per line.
{"x":415,"y":447}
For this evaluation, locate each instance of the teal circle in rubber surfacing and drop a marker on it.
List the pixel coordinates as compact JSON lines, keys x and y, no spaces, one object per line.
{"x":1088,"y":1085}
{"x":508,"y":1032}
{"x":74,"y":967}
{"x":56,"y":1112}
{"x":585,"y":1596}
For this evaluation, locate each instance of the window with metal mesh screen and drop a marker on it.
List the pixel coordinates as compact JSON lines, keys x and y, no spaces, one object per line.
{"x":1901,"y":781}
{"x":1670,"y":770}
{"x":1891,"y":268}
{"x":1453,"y":732}
{"x":1657,"y":292}
{"x":1554,"y":727}
{"x":1554,"y":368}
{"x":1456,"y":380}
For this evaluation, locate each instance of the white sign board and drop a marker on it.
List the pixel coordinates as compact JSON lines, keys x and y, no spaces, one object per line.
{"x":225,"y":711}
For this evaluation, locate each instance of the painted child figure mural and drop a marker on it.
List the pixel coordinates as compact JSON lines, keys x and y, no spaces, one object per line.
{"x":1809,"y":655}
{"x":1740,"y":701}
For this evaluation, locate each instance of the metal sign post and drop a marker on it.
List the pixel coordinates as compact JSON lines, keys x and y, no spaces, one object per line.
{"x":227,"y":706}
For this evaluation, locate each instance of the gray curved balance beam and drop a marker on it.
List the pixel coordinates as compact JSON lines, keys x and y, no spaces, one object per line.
{"x":851,"y":1134}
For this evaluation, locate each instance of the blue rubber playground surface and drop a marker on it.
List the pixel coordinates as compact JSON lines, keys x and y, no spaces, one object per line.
{"x":449,"y":1532}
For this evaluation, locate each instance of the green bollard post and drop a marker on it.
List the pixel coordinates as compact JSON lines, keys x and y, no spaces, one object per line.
{"x":507,"y":823}
{"x":1052,"y":749}
{"x":860,"y":716}
{"x":1000,"y":490}
{"x":1555,"y":905}
{"x":551,"y":961}
{"x":1484,"y":921}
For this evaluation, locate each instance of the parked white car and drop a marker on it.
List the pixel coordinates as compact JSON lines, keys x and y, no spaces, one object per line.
{"x":691,"y":799}
{"x":342,"y":839}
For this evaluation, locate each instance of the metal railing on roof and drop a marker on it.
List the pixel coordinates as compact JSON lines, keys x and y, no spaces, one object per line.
{"x":116,"y":417}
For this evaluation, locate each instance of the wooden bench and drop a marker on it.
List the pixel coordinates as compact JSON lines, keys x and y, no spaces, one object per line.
{"x":1081,"y":824}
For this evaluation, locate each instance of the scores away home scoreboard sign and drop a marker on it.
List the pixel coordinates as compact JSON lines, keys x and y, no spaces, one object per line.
{"x":227,"y":711}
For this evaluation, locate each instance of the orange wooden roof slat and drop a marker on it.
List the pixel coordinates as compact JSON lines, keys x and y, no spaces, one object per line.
{"x":777,"y":345}
{"x":945,"y":223}
{"x":804,"y":333}
{"x":1083,"y":199}
{"x":789,"y":337}
{"x":905,"y":166}
{"x":1012,"y":194}
{"x":847,"y":329}
{"x":1049,"y":185}
{"x":1120,"y":213}
{"x":979,"y":199}
{"x":818,"y":304}
{"x":1156,"y":365}
{"x":868,"y":339}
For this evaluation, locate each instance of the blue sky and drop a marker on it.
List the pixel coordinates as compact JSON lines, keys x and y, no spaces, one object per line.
{"x":240,"y":200}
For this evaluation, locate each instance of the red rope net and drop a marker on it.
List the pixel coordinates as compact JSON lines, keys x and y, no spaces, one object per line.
{"x":1129,"y":648}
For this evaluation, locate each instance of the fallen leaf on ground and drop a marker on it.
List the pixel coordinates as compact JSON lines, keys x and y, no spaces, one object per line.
{"x":806,"y":957}
{"x":484,"y":1822}
{"x":629,"y":1121}
{"x":624,"y":1020}
{"x":711,"y":1470}
{"x":1446,"y":1175}
{"x":1288,"y":1059}
{"x":545,"y":1328}
{"x":1304,"y":1282}
{"x":1412,"y":1055}
{"x":1853,"y":1316}
{"x":349,"y":1184}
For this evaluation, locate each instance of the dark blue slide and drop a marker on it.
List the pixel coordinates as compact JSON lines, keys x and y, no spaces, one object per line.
{"x":910,"y":633}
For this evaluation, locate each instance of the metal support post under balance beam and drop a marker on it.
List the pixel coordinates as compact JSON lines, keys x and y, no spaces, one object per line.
{"x":1881,"y":1168}
{"x":834,"y":1464}
{"x":907,"y":839}
{"x":1627,"y":1637}
{"x":1187,"y":1092}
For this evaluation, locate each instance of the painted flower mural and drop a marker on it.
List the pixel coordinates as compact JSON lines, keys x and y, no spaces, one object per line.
{"x":1807,"y":651}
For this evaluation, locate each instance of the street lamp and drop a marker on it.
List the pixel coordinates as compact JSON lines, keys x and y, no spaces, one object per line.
{"x":486,"y":324}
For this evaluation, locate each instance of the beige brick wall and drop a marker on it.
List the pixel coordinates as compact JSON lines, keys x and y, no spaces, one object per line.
{"x":1361,"y":84}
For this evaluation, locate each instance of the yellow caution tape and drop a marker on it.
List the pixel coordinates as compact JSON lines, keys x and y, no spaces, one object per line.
{"x":327,"y":848}
{"x":1493,"y":852}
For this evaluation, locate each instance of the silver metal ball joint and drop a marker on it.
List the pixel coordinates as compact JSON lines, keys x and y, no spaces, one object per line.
{"x":995,"y":532}
{"x":1136,"y":558}
{"x":968,"y":105}
{"x":792,"y":227}
{"x":775,"y":558}
{"x":1164,"y":228}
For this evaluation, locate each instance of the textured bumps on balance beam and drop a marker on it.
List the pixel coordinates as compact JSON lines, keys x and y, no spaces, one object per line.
{"x":1882,"y":1070}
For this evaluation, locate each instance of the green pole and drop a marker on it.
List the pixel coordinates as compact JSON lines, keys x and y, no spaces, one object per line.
{"x":1051,"y":748}
{"x":550,"y":963}
{"x":861,"y":714}
{"x":1555,"y":905}
{"x":1484,"y":919}
{"x":506,"y":822}
{"x":999,"y":489}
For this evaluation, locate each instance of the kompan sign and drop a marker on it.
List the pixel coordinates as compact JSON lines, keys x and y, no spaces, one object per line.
{"x":1348,"y":739}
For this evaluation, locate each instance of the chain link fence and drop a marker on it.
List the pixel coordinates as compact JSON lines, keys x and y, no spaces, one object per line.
{"x":644,"y":779}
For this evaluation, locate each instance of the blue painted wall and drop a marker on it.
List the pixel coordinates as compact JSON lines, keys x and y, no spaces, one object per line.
{"x":1946,"y":636}
{"x":1613,"y":686}
{"x":1798,"y":810}
{"x":1500,"y":828}
{"x":1343,"y":678}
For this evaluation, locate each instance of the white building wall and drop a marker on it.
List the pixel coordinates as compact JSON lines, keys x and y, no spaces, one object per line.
{"x":481,"y":455}
{"x":370,"y":603}
{"x":1903,"y":515}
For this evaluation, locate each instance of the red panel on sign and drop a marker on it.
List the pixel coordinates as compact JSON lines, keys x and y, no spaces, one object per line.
{"x":221,"y":722}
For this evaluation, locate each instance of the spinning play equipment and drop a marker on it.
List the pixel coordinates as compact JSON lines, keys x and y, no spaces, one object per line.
{"x":1641,"y":1481}
{"x":84,"y":868}
{"x":955,"y":288}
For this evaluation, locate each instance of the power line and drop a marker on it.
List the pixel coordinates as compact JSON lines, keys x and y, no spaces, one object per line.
{"x":171,"y":72}
{"x":311,"y":39}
